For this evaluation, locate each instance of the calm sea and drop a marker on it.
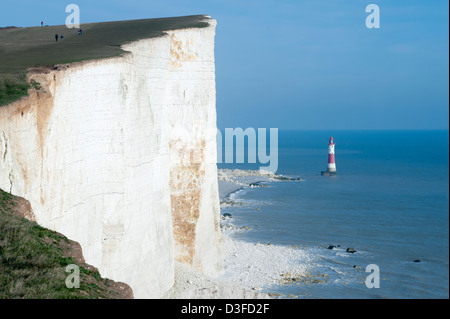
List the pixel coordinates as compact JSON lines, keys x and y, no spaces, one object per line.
{"x":389,"y":201}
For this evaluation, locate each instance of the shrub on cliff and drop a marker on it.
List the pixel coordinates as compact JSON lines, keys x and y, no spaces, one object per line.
{"x":12,"y":89}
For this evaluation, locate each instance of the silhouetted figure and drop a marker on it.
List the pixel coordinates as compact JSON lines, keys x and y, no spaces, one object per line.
{"x":80,"y":32}
{"x":56,"y":37}
{"x":42,"y":23}
{"x":62,"y":37}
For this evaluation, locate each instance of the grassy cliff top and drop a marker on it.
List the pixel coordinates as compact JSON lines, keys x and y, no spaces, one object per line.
{"x":22,"y":48}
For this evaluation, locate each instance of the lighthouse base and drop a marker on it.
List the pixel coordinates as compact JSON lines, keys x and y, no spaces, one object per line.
{"x":328,"y":173}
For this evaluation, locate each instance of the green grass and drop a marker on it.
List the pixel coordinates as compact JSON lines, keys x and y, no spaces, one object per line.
{"x":23,"y":48}
{"x":32,"y":262}
{"x":12,"y":88}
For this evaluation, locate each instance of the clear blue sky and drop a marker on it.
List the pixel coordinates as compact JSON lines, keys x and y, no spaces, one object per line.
{"x":311,"y":64}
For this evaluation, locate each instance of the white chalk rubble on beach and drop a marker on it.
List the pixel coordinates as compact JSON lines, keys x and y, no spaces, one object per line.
{"x":190,"y":284}
{"x":232,"y":180}
{"x":255,"y":265}
{"x":259,"y":265}
{"x":244,"y":177}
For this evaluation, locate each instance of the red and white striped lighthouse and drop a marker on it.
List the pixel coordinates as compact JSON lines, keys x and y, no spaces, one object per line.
{"x":331,"y":161}
{"x":331,"y":169}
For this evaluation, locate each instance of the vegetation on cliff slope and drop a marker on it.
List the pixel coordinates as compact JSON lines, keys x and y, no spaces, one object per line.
{"x":33,"y":262}
{"x":23,"y":48}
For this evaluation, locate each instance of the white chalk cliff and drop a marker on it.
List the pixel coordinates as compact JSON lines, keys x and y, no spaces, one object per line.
{"x":119,"y":154}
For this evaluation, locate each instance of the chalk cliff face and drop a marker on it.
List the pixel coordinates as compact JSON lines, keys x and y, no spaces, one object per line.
{"x":119,"y":154}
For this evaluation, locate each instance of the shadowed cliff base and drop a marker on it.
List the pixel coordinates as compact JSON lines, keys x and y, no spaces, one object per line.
{"x":23,"y":48}
{"x":33,"y":260}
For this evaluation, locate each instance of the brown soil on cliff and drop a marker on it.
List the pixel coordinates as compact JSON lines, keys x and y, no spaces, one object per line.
{"x":33,"y":260}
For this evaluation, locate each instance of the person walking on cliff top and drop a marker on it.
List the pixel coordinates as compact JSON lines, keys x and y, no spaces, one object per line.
{"x":56,"y":37}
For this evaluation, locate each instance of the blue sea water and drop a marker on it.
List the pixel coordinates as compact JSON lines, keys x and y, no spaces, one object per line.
{"x":389,"y":201}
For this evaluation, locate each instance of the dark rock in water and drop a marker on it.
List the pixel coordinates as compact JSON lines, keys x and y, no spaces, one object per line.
{"x":355,"y":266}
{"x":331,"y":247}
{"x":351,"y":250}
{"x":227,"y":215}
{"x":417,"y":261}
{"x":282,"y":178}
{"x":338,"y":245}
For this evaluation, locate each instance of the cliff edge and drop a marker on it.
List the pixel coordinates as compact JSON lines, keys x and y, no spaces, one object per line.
{"x":119,"y":154}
